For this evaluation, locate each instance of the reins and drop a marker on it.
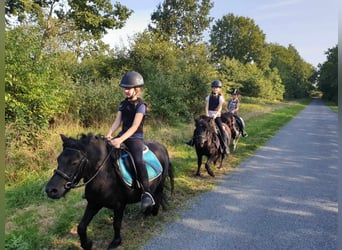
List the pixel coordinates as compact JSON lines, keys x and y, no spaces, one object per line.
{"x":72,"y":181}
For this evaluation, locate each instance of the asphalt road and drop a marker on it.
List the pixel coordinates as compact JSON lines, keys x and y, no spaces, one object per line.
{"x":283,"y":197}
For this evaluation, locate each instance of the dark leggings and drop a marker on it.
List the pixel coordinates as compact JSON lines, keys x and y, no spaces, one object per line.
{"x":136,"y":147}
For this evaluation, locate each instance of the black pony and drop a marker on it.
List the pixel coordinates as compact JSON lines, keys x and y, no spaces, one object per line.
{"x":91,"y":158}
{"x":207,"y":142}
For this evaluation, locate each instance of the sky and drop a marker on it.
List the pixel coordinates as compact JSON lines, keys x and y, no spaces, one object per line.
{"x":311,"y":26}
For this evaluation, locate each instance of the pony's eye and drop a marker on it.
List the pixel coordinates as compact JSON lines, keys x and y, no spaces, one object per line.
{"x":74,"y":163}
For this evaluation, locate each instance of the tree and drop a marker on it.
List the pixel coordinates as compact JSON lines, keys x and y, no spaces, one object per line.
{"x":328,"y":75}
{"x":251,"y":80}
{"x":44,"y":42}
{"x":183,"y":22}
{"x":295,"y":73}
{"x":176,"y":79}
{"x":63,"y":21}
{"x":239,"y":38}
{"x":34,"y":91}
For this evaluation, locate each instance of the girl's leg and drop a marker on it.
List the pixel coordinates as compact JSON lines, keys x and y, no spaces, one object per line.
{"x":136,"y":147}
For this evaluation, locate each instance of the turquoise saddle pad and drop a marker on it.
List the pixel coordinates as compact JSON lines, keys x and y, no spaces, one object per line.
{"x":153,"y":166}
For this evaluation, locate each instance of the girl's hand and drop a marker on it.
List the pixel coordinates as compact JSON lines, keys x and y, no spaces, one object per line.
{"x":116,"y":142}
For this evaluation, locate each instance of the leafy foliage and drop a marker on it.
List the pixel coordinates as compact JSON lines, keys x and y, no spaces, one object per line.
{"x":239,"y":38}
{"x":251,"y":80}
{"x":175,"y":79}
{"x":328,"y":75}
{"x":183,"y":22}
{"x":296,"y":74}
{"x":97,"y":102}
{"x":94,"y":16}
{"x":35,"y":92}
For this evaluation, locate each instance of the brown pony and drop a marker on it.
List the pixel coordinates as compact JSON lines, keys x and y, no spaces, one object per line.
{"x":229,"y":119}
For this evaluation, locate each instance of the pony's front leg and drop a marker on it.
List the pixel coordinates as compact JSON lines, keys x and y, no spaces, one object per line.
{"x":207,"y":166}
{"x":117,"y":220}
{"x":199,"y":163}
{"x":89,"y":214}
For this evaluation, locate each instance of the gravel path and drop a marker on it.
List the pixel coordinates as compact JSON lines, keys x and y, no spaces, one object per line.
{"x":283,"y":197}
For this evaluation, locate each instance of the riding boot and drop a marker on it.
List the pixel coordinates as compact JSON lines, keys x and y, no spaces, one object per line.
{"x":241,"y":126}
{"x":147,"y":200}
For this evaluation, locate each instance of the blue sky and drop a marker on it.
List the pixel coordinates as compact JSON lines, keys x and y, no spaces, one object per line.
{"x":311,"y":26}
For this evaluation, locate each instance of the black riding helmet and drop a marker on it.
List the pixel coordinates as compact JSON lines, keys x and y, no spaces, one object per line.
{"x":235,"y":92}
{"x":132,"y":79}
{"x":216,"y":83}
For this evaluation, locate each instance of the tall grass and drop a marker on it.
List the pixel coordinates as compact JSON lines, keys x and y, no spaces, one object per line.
{"x":36,"y":222}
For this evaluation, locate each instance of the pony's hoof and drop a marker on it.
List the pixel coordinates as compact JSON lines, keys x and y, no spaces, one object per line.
{"x":88,"y":245}
{"x":114,"y":244}
{"x":155,"y":210}
{"x":211,"y":173}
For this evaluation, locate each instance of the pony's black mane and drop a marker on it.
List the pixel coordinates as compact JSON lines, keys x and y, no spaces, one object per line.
{"x":78,"y":143}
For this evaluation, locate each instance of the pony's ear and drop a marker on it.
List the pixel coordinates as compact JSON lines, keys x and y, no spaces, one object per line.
{"x":64,"y":138}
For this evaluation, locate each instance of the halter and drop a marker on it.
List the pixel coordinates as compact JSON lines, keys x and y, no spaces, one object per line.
{"x":72,"y":181}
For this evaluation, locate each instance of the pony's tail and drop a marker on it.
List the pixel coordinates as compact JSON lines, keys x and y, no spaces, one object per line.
{"x":164,"y":199}
{"x":171,"y":177}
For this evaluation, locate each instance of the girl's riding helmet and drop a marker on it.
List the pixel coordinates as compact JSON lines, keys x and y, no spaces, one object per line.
{"x":217,"y":84}
{"x":132,"y":79}
{"x":235,"y":92}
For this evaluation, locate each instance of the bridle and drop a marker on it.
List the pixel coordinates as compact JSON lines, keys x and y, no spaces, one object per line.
{"x":72,"y":181}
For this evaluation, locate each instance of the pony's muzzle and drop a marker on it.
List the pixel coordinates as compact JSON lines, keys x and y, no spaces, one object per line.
{"x":52,"y":193}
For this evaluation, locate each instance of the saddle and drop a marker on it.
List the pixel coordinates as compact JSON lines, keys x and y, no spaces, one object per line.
{"x":127,"y":169}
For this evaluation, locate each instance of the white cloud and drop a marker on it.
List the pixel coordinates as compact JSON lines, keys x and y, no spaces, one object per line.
{"x":138,"y":22}
{"x":278,"y":4}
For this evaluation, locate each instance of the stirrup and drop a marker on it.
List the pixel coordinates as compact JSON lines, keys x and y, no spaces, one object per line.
{"x":147,"y":201}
